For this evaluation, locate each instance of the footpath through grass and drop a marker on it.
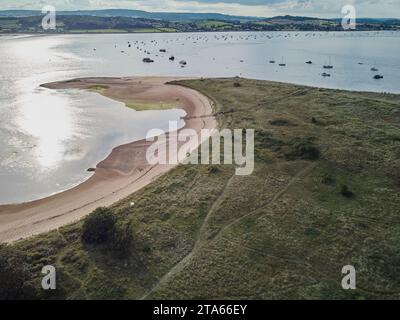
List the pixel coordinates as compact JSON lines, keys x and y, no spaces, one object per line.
{"x":325,"y":193}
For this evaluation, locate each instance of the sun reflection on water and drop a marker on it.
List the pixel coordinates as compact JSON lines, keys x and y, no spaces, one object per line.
{"x":48,"y":118}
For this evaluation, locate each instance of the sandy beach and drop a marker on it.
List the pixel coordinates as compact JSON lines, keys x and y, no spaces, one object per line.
{"x":123,"y":172}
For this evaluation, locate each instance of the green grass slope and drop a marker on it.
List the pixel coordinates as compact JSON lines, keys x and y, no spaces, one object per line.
{"x":325,"y":193}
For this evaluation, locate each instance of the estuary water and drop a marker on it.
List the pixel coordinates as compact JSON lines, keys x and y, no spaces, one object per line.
{"x":49,"y":138}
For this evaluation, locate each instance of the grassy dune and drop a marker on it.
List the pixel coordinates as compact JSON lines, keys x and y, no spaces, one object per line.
{"x":325,"y":193}
{"x":137,"y":105}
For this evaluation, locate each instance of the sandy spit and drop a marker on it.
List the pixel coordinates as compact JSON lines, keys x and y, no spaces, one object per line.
{"x":122,"y":173}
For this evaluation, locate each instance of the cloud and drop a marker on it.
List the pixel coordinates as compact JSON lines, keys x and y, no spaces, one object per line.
{"x":319,"y":8}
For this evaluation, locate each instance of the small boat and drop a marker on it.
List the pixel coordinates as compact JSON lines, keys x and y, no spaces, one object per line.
{"x":147,"y":60}
{"x":282,"y":64}
{"x":378,"y":76}
{"x":309,"y":62}
{"x":325,"y":74}
{"x":183,"y":62}
{"x":163,"y":50}
{"x":171,"y":58}
{"x":374,"y":69}
{"x":328,"y":66}
{"x":271,"y":61}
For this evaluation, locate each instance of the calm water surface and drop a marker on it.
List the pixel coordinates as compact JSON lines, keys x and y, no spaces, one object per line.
{"x":49,"y":138}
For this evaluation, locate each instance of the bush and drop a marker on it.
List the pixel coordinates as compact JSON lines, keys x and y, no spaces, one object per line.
{"x":304,"y":150}
{"x":237,"y":84}
{"x":101,"y":227}
{"x":328,"y":180}
{"x":14,"y":276}
{"x":345,"y":192}
{"x":98,"y":226}
{"x":213,"y":169}
{"x":280,"y":122}
{"x":121,"y":238}
{"x":314,"y":120}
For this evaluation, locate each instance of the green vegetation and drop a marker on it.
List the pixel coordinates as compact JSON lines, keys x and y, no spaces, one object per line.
{"x":98,"y":88}
{"x":102,"y":227}
{"x":285,"y":232}
{"x":88,"y":23}
{"x":14,"y":278}
{"x":141,"y":106}
{"x":99,"y":226}
{"x":138,"y":106}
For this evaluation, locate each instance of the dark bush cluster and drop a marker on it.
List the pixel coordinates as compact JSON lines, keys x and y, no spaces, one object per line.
{"x":346,"y":192}
{"x":121,"y":239}
{"x":213,"y":169}
{"x":303,"y":149}
{"x":102,"y":227}
{"x":280,"y":122}
{"x":98,"y":226}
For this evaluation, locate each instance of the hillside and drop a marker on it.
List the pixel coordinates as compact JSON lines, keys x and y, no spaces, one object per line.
{"x":169,"y":16}
{"x":325,"y":193}
{"x":121,"y":21}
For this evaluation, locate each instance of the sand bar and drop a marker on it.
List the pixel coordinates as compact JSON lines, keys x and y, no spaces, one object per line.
{"x":122,"y":173}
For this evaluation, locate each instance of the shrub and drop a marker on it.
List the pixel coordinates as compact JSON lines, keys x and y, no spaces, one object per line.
{"x":280,"y":122}
{"x":237,"y":84}
{"x":328,"y":180}
{"x":314,"y":120}
{"x":304,"y":150}
{"x":98,"y":226}
{"x":345,"y":192}
{"x":213,"y":169}
{"x":121,"y":238}
{"x":14,"y":276}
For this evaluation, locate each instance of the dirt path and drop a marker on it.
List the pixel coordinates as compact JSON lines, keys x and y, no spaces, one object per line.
{"x":184,"y":262}
{"x":303,"y":173}
{"x":202,"y":233}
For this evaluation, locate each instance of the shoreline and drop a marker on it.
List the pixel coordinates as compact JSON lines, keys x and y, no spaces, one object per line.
{"x":123,"y":172}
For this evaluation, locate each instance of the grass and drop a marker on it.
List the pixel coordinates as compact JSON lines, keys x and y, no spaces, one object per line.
{"x":138,"y":106}
{"x":215,"y":24}
{"x":288,"y":238}
{"x":142,"y":106}
{"x":98,"y":89}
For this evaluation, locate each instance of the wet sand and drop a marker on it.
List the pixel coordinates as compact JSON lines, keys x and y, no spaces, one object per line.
{"x":123,"y":172}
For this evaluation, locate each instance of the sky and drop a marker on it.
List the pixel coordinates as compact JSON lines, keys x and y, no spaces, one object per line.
{"x":261,"y":8}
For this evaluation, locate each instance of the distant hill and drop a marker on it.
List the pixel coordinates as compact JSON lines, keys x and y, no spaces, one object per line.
{"x":310,"y":20}
{"x":180,"y":17}
{"x":293,"y":18}
{"x":170,"y":16}
{"x":286,"y":20}
{"x":116,"y":21}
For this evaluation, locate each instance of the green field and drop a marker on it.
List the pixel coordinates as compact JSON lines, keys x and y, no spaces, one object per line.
{"x":215,"y":24}
{"x":325,"y":193}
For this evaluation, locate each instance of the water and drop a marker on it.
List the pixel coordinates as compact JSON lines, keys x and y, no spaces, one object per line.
{"x":49,"y":138}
